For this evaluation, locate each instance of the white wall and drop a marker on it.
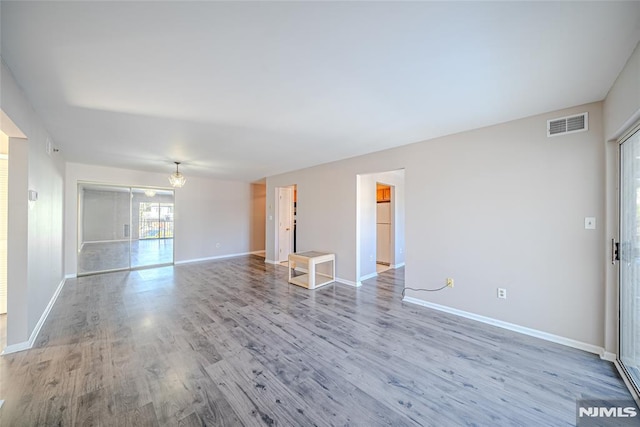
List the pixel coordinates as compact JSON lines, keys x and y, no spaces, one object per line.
{"x":4,"y":205}
{"x":365,"y":227}
{"x":623,"y":100}
{"x":207,"y":212}
{"x":621,"y":111}
{"x":212,"y":218}
{"x":35,"y":237}
{"x":502,"y":206}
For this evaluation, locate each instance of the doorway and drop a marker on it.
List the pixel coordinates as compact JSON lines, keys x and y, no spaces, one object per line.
{"x":385,"y":233}
{"x":121,"y":228}
{"x":380,"y":225}
{"x":629,"y":258}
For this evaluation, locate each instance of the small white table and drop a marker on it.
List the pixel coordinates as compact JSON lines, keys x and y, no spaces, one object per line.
{"x":313,"y":276}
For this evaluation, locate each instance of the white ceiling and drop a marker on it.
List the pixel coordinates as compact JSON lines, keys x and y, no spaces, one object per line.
{"x":243,"y":90}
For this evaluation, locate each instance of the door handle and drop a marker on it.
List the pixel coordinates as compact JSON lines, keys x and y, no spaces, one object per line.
{"x":615,"y":251}
{"x":287,"y":229}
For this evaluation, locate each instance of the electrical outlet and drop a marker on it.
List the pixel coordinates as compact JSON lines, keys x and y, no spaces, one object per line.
{"x":502,"y":293}
{"x":450,"y":282}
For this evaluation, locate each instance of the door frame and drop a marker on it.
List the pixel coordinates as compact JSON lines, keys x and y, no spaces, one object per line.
{"x":392,"y":228}
{"x":631,"y":383}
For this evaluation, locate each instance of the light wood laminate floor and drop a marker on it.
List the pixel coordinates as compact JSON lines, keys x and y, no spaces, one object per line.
{"x":231,"y":343}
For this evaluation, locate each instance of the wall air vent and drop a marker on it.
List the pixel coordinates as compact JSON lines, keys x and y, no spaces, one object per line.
{"x":570,"y":124}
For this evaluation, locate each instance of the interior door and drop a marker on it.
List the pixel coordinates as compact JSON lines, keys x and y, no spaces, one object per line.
{"x":285,"y":222}
{"x":629,"y":253}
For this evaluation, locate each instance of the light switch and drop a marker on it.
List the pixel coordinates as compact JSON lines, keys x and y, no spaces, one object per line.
{"x":590,"y":223}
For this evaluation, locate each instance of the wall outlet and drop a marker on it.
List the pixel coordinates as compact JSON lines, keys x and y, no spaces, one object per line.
{"x":502,"y":293}
{"x":450,"y":282}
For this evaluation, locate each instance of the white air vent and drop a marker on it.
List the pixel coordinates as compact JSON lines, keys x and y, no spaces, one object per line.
{"x":570,"y":124}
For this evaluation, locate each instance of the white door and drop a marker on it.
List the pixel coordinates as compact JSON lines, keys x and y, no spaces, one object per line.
{"x":285,"y":222}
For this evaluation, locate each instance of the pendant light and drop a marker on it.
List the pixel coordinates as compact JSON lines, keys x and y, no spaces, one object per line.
{"x":176,"y":179}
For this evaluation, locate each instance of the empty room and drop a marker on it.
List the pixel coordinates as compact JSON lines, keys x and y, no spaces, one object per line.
{"x":319,"y":213}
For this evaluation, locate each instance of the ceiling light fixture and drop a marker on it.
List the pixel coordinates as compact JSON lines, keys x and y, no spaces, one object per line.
{"x":176,"y":179}
{"x":150,"y":193}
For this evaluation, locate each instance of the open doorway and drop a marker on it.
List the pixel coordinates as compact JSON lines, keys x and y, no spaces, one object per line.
{"x":14,"y":222}
{"x":380,"y":223}
{"x":385,"y":232}
{"x":286,"y":224}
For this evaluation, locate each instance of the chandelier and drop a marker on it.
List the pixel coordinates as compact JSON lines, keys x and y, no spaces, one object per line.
{"x":176,"y":179}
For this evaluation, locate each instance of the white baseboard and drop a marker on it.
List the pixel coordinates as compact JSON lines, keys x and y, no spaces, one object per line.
{"x":189,"y":261}
{"x":107,"y":241}
{"x":270,"y":261}
{"x":367,"y":277}
{"x":14,"y":348}
{"x":348,"y":282}
{"x":608,"y":356}
{"x":510,"y":326}
{"x":71,"y":276}
{"x":36,"y":331}
{"x":397,"y":265}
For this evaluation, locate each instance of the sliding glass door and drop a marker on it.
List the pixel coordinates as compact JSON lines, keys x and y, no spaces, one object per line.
{"x":123,"y":227}
{"x":104,"y":228}
{"x":152,"y":218}
{"x":629,"y":253}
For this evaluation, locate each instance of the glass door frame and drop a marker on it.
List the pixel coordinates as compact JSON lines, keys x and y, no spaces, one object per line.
{"x":617,"y":256}
{"x":80,"y":223}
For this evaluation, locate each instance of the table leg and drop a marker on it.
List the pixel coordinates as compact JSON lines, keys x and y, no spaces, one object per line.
{"x":312,"y":274}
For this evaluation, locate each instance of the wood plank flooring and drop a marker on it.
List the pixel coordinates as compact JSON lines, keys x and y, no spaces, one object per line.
{"x":230,"y":343}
